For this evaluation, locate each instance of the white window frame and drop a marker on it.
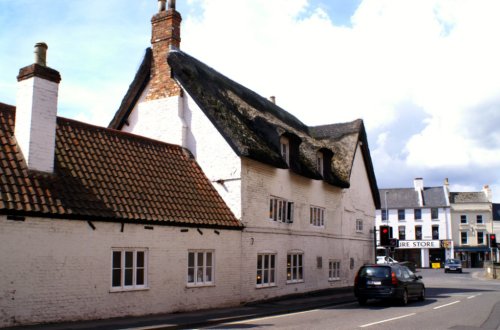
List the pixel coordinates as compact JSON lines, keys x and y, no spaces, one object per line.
{"x":401,"y":214}
{"x":419,"y":211}
{"x":437,"y":213}
{"x":432,"y":232}
{"x":280,"y":210}
{"x":295,"y":267}
{"x":359,"y":225}
{"x":479,"y":219}
{"x":482,"y":235}
{"x":201,"y":271}
{"x":334,"y":270}
{"x":317,"y":216}
{"x":404,"y":232}
{"x":285,"y":149}
{"x":386,"y":217}
{"x":266,"y":270}
{"x":124,"y":268}
{"x":462,"y":235}
{"x":464,"y":219}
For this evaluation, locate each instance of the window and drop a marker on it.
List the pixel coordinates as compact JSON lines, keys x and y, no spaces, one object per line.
{"x":463,"y":237}
{"x":434,"y":213}
{"x":200,"y":268}
{"x":384,"y":215}
{"x":480,"y":238}
{"x":402,"y":232}
{"x":285,"y":149}
{"x":334,"y":270}
{"x":359,"y":225}
{"x":294,"y":268}
{"x":401,"y":214}
{"x":317,"y":216}
{"x":280,"y":210}
{"x":479,"y":219}
{"x":129,"y":269}
{"x":463,"y":219}
{"x":319,"y":162}
{"x":418,"y":232}
{"x":266,"y":271}
{"x":417,"y":214}
{"x":435,"y":232}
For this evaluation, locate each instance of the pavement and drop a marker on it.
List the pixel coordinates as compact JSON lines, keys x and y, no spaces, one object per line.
{"x":204,"y":318}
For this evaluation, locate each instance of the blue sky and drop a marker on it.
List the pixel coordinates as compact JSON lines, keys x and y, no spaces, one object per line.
{"x":423,"y":75}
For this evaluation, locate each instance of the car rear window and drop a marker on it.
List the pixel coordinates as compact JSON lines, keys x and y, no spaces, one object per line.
{"x":381,"y":272}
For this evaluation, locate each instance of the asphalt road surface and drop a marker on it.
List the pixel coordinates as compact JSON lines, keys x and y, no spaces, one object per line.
{"x":453,"y":301}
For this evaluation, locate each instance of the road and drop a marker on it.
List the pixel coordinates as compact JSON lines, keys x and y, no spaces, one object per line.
{"x":454,"y":301}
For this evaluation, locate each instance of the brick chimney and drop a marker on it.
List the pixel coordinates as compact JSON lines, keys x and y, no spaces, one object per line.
{"x":36,"y":112}
{"x":166,"y":35}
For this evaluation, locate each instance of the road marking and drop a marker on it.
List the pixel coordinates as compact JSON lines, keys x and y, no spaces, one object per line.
{"x":446,"y":305}
{"x":270,"y":317}
{"x":388,"y":320}
{"x":474,"y":296}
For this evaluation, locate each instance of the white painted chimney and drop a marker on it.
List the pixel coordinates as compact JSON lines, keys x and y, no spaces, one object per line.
{"x":418,"y":183}
{"x":487,"y":192}
{"x":36,"y":112}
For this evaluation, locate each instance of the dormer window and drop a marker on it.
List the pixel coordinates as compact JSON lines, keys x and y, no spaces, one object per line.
{"x":319,"y":162}
{"x":285,"y":149}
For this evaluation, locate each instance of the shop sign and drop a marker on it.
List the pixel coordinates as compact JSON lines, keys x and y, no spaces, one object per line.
{"x":434,"y":244}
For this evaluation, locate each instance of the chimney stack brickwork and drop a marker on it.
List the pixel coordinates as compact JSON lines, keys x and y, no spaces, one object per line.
{"x":165,"y":35}
{"x":36,"y":113}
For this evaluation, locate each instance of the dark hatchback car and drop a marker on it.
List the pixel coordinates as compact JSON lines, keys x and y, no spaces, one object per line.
{"x":452,"y":265}
{"x":394,"y":282}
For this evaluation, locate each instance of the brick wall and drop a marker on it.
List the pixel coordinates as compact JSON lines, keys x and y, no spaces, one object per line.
{"x":60,"y":270}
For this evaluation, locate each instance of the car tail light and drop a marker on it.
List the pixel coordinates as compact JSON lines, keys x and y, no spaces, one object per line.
{"x":356,"y":279}
{"x":394,"y":279}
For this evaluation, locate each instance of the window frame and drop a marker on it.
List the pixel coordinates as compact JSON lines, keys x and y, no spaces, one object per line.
{"x":404,"y":233}
{"x":463,"y":234}
{"x":435,"y":237}
{"x":206,"y":269}
{"x":401,"y":214}
{"x":265,"y":270}
{"x":285,"y":149}
{"x":359,"y":225}
{"x":123,"y":269}
{"x":482,"y":235}
{"x":294,"y":267}
{"x":384,"y":215}
{"x":416,"y":231}
{"x":281,"y":210}
{"x":464,"y":219}
{"x":434,"y":210}
{"x":333,"y":270}
{"x":317,"y":216}
{"x":419,"y":212}
{"x":479,"y":219}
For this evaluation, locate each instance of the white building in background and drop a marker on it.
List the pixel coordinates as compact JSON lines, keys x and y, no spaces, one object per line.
{"x":420,"y":218}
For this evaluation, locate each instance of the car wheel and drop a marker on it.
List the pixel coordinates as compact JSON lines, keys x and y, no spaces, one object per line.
{"x":362,"y":301}
{"x":404,"y":298}
{"x":460,"y":271}
{"x":422,"y":295}
{"x":445,"y":271}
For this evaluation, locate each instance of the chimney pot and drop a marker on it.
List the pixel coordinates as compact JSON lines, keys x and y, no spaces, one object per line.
{"x":171,"y":4}
{"x":161,"y":5}
{"x":41,"y":53}
{"x":272,"y":99}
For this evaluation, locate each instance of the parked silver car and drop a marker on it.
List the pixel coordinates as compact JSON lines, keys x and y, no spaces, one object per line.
{"x":452,"y":265}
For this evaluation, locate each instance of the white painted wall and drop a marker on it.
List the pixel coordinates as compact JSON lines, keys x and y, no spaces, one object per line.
{"x":60,"y":270}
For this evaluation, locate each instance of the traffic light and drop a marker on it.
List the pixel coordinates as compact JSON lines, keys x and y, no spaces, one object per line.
{"x":385,"y":235}
{"x":493,"y":241}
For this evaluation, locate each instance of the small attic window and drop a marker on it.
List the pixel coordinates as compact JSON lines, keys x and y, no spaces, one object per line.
{"x":320,"y":162}
{"x":285,"y":149}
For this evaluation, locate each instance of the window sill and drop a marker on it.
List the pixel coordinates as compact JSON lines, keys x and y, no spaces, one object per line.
{"x":295,"y":282}
{"x":192,"y":286}
{"x":336,"y":279}
{"x":265,"y":286}
{"x":115,"y":290}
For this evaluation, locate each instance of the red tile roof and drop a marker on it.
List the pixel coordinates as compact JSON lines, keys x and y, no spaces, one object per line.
{"x":104,"y":174}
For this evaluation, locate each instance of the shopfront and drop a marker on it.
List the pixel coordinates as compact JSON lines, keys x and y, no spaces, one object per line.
{"x":424,"y":253}
{"x":472,"y":257}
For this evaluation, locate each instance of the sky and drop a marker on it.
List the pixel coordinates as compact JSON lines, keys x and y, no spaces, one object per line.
{"x":424,"y":75}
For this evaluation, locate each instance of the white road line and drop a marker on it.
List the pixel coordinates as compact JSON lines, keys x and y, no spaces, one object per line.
{"x":452,"y":303}
{"x":387,"y":320}
{"x":474,"y":296}
{"x":270,"y":317}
